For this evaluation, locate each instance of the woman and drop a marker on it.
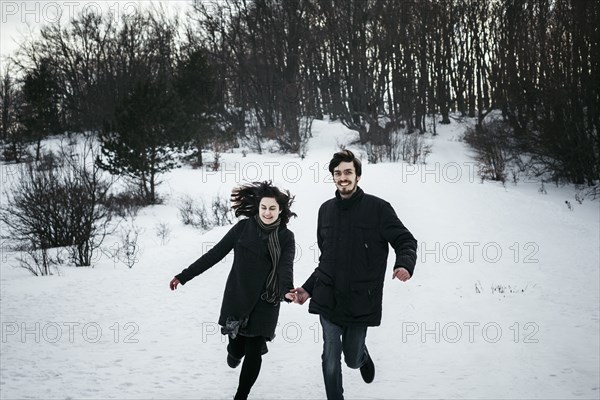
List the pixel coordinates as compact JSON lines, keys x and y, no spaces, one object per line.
{"x":260,"y":278}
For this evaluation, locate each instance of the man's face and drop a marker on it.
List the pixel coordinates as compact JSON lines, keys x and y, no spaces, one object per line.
{"x":344,"y":176}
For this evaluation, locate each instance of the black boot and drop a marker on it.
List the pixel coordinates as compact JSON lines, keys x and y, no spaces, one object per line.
{"x":367,"y":371}
{"x":232,"y":361}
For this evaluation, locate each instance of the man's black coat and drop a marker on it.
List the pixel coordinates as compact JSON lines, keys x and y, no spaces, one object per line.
{"x":353,"y":237}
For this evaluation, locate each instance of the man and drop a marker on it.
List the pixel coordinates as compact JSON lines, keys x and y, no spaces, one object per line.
{"x":346,"y":288}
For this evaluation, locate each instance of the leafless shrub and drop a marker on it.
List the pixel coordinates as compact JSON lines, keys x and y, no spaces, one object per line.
{"x":128,"y":246}
{"x":492,"y":142}
{"x":126,"y":203}
{"x":222,"y":213}
{"x":36,"y":259}
{"x":192,"y":212}
{"x":163,"y":231}
{"x":401,"y":146}
{"x":59,"y":201}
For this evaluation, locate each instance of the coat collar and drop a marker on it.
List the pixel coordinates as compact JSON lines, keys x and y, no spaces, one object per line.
{"x":347,"y":203}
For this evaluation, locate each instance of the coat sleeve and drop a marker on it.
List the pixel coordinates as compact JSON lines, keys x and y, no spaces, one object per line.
{"x":212,"y":256}
{"x":403,"y":242}
{"x":310,"y":283}
{"x":286,"y":265}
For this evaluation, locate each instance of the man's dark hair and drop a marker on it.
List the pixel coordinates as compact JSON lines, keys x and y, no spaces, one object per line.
{"x":246,"y":199}
{"x":345,"y":156}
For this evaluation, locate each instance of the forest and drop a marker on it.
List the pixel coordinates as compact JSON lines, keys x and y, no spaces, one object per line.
{"x":150,"y":86}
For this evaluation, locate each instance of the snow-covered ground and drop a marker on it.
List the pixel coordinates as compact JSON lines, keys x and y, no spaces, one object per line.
{"x":504,"y":302}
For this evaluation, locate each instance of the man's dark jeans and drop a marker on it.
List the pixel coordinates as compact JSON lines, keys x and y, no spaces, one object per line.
{"x":350,"y":340}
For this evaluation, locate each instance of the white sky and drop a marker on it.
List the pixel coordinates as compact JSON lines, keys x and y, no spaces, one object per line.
{"x":17,"y":17}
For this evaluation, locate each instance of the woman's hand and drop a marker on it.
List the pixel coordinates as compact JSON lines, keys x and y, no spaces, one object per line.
{"x":173,"y":284}
{"x":290,"y":296}
{"x":298,"y":295}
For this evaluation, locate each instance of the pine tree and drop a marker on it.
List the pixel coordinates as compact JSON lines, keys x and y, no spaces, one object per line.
{"x":40,"y":114}
{"x":146,"y":136}
{"x":196,"y":88}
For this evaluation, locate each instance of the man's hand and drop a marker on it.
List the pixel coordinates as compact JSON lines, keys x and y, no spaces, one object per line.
{"x":299,"y":295}
{"x":173,"y":284}
{"x":401,"y":273}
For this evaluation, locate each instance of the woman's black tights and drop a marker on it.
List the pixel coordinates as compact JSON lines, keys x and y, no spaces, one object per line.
{"x":249,"y":348}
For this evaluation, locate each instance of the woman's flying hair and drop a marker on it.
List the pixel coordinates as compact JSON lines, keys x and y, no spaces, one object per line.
{"x":246,"y":199}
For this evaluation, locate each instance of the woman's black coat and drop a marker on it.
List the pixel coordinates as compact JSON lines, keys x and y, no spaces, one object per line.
{"x":246,"y":281}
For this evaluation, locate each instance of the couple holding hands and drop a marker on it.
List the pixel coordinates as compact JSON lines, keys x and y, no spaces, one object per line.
{"x":346,"y":288}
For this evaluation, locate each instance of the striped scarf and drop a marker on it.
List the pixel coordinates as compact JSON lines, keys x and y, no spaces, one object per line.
{"x":271,"y":293}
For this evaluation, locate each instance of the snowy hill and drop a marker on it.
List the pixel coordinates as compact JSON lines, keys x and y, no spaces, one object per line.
{"x":504,"y":302}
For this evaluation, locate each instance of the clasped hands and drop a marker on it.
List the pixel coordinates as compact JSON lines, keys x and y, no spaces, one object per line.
{"x":300,"y":295}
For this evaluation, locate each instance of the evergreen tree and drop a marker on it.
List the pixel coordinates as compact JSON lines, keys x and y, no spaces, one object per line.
{"x":196,"y":88}
{"x":40,"y":115}
{"x":146,"y":136}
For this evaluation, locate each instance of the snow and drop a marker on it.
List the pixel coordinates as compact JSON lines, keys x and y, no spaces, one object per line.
{"x":504,"y":302}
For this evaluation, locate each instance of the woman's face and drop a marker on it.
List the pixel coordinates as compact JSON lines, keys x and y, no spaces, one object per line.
{"x":268,"y":210}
